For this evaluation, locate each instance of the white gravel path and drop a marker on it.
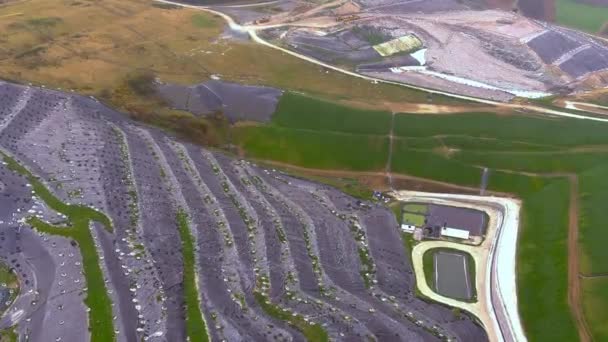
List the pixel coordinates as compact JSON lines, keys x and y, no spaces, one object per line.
{"x":498,"y":276}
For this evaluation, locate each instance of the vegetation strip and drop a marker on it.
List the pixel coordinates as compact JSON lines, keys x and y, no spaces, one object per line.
{"x":313,"y":332}
{"x":80,"y":217}
{"x":195,"y":322}
{"x":426,"y":146}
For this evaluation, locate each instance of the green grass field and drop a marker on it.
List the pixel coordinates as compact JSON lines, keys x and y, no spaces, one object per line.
{"x":318,"y":149}
{"x":428,"y":265}
{"x":595,"y":309}
{"x":419,"y":208}
{"x":511,"y":129}
{"x":415,"y":219}
{"x":527,"y":156}
{"x":299,"y":111}
{"x":580,"y":16}
{"x":80,"y":217}
{"x":593,"y":197}
{"x":195,"y":323}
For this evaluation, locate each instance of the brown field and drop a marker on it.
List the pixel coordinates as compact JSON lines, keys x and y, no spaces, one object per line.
{"x":93,"y":47}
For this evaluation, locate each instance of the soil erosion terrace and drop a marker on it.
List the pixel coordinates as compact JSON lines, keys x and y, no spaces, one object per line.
{"x":184,"y":242}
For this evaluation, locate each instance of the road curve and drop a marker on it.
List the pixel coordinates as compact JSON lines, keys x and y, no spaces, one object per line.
{"x":495,"y":262}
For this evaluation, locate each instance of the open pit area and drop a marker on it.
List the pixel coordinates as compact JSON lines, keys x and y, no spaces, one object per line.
{"x":469,"y":48}
{"x":118,"y":231}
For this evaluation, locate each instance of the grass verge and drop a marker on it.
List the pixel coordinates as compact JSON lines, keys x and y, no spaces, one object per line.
{"x":312,"y":332}
{"x":79,"y":217}
{"x":195,"y":322}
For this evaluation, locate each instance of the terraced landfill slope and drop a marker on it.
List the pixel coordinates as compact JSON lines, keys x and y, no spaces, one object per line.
{"x":118,"y":231}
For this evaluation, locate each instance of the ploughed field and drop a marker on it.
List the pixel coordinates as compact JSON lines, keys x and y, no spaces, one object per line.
{"x":117,"y":231}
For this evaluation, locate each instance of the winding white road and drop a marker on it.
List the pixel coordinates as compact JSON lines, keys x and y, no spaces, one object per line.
{"x":494,"y":262}
{"x":251,"y":30}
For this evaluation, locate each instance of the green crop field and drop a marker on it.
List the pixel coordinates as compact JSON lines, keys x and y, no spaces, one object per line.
{"x":514,"y":128}
{"x":580,"y":16}
{"x":594,"y":196}
{"x":595,"y":309}
{"x":527,"y":156}
{"x":299,"y":111}
{"x":314,"y":149}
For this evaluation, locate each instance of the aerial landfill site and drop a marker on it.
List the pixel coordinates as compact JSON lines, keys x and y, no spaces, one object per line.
{"x":462,"y":47}
{"x":94,"y":203}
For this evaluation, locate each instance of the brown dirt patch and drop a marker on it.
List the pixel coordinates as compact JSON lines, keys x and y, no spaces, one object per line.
{"x":574,"y":284}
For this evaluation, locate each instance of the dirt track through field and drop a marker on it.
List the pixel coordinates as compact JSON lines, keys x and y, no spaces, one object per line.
{"x":574,"y":284}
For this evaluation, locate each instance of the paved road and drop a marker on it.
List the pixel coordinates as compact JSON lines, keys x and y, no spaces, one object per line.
{"x":252,"y":31}
{"x":494,"y":263}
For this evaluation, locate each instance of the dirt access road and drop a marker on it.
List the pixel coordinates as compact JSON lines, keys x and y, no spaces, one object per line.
{"x":495,"y":261}
{"x":574,"y":281}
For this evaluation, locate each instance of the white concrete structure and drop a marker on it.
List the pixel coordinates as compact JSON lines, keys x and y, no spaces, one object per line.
{"x":455,"y":233}
{"x":494,"y":262}
{"x":408,"y":228}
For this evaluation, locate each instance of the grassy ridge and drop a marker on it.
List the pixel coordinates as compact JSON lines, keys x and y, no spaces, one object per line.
{"x":80,"y":217}
{"x":195,"y":324}
{"x":312,"y":332}
{"x":298,"y":111}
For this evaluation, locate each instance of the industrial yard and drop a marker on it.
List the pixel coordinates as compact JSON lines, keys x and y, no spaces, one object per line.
{"x":501,"y":55}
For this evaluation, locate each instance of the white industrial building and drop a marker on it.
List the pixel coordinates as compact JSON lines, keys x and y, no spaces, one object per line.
{"x":455,"y":233}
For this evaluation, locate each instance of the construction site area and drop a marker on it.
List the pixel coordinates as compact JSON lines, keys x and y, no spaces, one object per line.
{"x":461,"y":47}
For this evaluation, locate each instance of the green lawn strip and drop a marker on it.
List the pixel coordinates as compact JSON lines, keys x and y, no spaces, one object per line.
{"x":72,"y":211}
{"x":314,"y":149}
{"x":593,"y":190}
{"x":595,"y":306}
{"x":413,"y":219}
{"x":100,"y":315}
{"x":419,"y":208}
{"x":472,"y":274}
{"x":542,"y":264}
{"x":514,"y":128}
{"x":303,"y":112}
{"x":312,"y":332}
{"x":195,"y":323}
{"x":574,"y":14}
{"x":428,"y":266}
{"x":367,"y":266}
{"x":537,"y":162}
